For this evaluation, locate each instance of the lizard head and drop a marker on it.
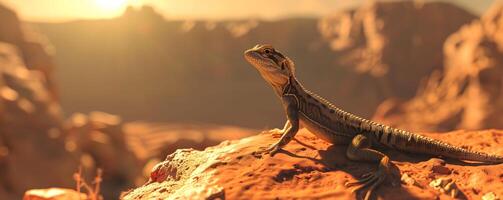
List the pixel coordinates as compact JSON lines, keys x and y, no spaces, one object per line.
{"x":274,"y":67}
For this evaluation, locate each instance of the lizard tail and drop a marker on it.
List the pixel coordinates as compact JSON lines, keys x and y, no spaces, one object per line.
{"x":417,"y":143}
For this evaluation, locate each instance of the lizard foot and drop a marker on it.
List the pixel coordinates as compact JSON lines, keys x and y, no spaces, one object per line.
{"x":272,"y":150}
{"x":372,"y":179}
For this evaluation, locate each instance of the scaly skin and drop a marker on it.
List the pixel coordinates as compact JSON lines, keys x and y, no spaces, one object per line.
{"x":330,"y":123}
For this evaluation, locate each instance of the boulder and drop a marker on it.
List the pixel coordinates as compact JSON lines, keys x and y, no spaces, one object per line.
{"x":310,"y":168}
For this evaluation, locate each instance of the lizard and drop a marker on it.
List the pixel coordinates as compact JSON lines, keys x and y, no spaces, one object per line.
{"x":305,"y":109}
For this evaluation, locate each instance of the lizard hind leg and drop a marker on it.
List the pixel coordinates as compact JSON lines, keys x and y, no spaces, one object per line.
{"x":359,"y":150}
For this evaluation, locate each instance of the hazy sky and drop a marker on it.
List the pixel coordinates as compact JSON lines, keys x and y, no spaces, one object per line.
{"x":62,"y":10}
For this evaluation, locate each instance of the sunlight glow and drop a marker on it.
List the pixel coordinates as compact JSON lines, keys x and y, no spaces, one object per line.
{"x":111,"y":5}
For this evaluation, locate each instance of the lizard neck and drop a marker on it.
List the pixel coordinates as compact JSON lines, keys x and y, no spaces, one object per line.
{"x":293,"y":87}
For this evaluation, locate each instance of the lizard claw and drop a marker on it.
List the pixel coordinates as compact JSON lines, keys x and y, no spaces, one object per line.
{"x":372,"y":179}
{"x":273,"y":150}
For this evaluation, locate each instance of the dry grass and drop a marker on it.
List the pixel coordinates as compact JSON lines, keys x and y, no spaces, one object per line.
{"x":93,"y":190}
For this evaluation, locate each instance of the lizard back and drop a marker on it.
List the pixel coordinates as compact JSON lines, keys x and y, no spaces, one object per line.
{"x":335,"y":125}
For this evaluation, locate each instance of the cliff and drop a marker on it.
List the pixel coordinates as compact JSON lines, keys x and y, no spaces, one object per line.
{"x":467,"y":93}
{"x":391,"y":44}
{"x":388,"y":48}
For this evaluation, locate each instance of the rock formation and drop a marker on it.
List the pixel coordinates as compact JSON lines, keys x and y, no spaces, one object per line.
{"x":391,"y":46}
{"x":34,"y":49}
{"x":468,"y":93}
{"x":101,"y":143}
{"x":30,"y":138}
{"x":311,"y":168}
{"x":357,"y":58}
{"x":30,"y":116}
{"x":365,"y":55}
{"x":122,"y":149}
{"x":40,"y":149}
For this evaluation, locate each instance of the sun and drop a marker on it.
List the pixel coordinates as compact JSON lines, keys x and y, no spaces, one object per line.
{"x":110,"y":5}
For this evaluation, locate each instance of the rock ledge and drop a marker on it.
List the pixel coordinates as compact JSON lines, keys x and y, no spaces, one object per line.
{"x":312,"y":168}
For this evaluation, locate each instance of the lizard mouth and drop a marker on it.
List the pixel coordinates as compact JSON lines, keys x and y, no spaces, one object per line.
{"x":258,"y":61}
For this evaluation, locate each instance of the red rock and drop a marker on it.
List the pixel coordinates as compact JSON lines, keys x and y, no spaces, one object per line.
{"x":467,"y":94}
{"x":236,"y":170}
{"x":437,"y":166}
{"x":390,"y":45}
{"x":440,"y":169}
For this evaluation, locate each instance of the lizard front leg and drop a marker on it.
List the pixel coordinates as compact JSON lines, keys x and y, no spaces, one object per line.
{"x":359,"y":150}
{"x":279,"y":132}
{"x":291,"y":127}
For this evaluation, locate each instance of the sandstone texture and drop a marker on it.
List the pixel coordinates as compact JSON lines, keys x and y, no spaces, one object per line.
{"x":310,"y":168}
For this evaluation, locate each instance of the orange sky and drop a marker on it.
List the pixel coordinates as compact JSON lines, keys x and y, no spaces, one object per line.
{"x":63,"y":10}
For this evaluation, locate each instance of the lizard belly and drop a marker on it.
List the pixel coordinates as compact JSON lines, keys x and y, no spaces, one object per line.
{"x":322,"y":132}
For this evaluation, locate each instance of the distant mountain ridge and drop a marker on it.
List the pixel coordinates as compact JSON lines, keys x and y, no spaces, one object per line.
{"x":141,"y":66}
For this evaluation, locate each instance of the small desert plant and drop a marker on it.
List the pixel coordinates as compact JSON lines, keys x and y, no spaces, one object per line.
{"x":93,"y":190}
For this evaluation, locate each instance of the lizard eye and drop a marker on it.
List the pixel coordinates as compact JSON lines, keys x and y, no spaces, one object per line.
{"x":267,"y":51}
